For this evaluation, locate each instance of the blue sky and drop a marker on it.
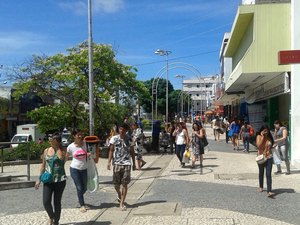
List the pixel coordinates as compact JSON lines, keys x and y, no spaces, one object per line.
{"x":191,"y":29}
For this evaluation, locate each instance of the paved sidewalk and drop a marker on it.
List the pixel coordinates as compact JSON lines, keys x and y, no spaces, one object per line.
{"x":146,"y":198}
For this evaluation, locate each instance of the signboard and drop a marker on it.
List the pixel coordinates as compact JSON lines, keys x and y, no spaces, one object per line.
{"x":288,"y":57}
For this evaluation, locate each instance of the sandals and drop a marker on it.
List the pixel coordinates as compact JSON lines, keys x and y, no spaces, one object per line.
{"x":271,"y":194}
{"x":123,"y":208}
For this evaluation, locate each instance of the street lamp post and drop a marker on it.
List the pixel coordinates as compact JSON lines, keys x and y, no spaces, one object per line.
{"x":181,"y":76}
{"x":165,"y":53}
{"x":91,"y":77}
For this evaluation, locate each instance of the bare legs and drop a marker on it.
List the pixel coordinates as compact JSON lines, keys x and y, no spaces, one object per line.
{"x":122,"y":192}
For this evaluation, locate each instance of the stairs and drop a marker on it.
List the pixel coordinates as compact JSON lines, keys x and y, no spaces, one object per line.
{"x":14,"y":182}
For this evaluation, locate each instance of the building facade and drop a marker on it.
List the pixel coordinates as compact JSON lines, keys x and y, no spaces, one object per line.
{"x":258,"y":88}
{"x":202,"y":93}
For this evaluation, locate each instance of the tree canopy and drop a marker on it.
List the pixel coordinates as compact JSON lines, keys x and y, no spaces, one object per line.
{"x":64,"y":78}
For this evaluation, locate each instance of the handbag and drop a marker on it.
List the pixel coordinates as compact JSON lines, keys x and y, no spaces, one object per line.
{"x":46,"y":177}
{"x":203,"y":141}
{"x":260,"y":159}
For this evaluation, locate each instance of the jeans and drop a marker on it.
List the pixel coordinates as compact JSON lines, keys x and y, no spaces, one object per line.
{"x":80,"y":179}
{"x":282,"y":150}
{"x":227,"y":136}
{"x":57,"y":190}
{"x":268,"y":165}
{"x":179,"y":150}
{"x":246,"y":140}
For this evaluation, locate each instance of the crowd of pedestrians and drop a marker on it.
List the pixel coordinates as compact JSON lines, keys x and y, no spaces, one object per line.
{"x":126,"y":147}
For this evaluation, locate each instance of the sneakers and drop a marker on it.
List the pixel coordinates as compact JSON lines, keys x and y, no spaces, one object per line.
{"x":83,"y":209}
{"x":288,"y":173}
{"x":278,"y":172}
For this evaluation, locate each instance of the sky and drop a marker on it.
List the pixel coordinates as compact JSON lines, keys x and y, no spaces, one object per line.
{"x":192,"y":30}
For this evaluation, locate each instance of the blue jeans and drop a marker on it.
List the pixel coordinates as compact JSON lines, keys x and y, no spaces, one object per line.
{"x":80,"y":179}
{"x":268,"y":165}
{"x":246,"y":140}
{"x":179,"y":150}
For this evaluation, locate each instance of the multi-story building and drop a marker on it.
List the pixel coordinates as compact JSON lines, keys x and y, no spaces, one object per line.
{"x":259,"y":89}
{"x":202,"y":92}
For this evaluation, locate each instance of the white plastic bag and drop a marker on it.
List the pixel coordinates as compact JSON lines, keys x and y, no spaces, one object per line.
{"x":276,"y":156}
{"x":185,"y":159}
{"x":92,"y":176}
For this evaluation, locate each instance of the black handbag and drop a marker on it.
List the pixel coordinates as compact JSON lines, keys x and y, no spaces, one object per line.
{"x":203,"y":141}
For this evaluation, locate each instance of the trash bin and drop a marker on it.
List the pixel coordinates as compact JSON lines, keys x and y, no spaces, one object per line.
{"x":92,"y":143}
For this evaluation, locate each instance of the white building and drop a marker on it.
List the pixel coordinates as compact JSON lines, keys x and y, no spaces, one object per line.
{"x":202,"y":92}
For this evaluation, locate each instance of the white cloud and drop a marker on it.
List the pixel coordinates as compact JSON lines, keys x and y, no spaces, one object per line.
{"x":98,"y":6}
{"x":15,"y":41}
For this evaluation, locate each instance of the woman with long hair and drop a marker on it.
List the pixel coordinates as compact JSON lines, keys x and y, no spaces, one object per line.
{"x":54,"y":159}
{"x":198,"y":149}
{"x":182,"y":141}
{"x":264,"y":143}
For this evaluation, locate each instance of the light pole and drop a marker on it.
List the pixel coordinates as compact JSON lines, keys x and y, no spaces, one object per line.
{"x":91,"y":77}
{"x":165,"y":53}
{"x":181,"y":76}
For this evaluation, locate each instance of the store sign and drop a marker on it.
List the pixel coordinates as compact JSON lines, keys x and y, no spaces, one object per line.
{"x":274,"y":87}
{"x":288,"y":57}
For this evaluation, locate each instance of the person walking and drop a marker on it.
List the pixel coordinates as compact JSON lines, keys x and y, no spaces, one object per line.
{"x":264,"y":143}
{"x":182,"y":141}
{"x":234,"y":130}
{"x":197,"y":149}
{"x":172,"y":138}
{"x":78,"y":167}
{"x":226,"y":128}
{"x":121,"y":149}
{"x":54,"y":159}
{"x":217,"y":125}
{"x":281,"y":146}
{"x":138,"y":141}
{"x":155,"y":136}
{"x":245,"y":134}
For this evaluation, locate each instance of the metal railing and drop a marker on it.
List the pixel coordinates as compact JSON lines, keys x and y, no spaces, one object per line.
{"x":2,"y":144}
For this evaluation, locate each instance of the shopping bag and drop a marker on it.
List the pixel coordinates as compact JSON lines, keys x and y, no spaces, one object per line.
{"x":92,"y":176}
{"x":276,"y":156}
{"x":187,"y":153}
{"x":186,"y":156}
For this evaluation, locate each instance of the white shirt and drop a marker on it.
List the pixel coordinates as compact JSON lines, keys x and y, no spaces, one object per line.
{"x":79,"y":160}
{"x":180,"y":140}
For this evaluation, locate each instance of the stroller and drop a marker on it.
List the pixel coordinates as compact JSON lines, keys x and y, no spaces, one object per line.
{"x":164,"y":140}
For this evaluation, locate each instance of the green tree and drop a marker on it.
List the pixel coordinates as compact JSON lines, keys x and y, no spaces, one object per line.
{"x":64,"y":77}
{"x":161,"y":96}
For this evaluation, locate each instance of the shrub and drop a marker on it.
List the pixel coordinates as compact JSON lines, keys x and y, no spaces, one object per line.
{"x":36,"y":150}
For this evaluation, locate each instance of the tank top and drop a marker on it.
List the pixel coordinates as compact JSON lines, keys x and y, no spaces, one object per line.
{"x":279,"y":134}
{"x":180,"y":138}
{"x":58,"y":169}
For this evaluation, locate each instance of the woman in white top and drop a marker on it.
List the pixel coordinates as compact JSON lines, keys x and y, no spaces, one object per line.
{"x":78,"y":167}
{"x":181,"y":141}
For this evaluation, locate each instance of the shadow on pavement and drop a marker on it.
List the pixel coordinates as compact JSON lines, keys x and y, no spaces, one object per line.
{"x":91,"y":223}
{"x":151,"y":168}
{"x":144,"y":203}
{"x":283,"y":190}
